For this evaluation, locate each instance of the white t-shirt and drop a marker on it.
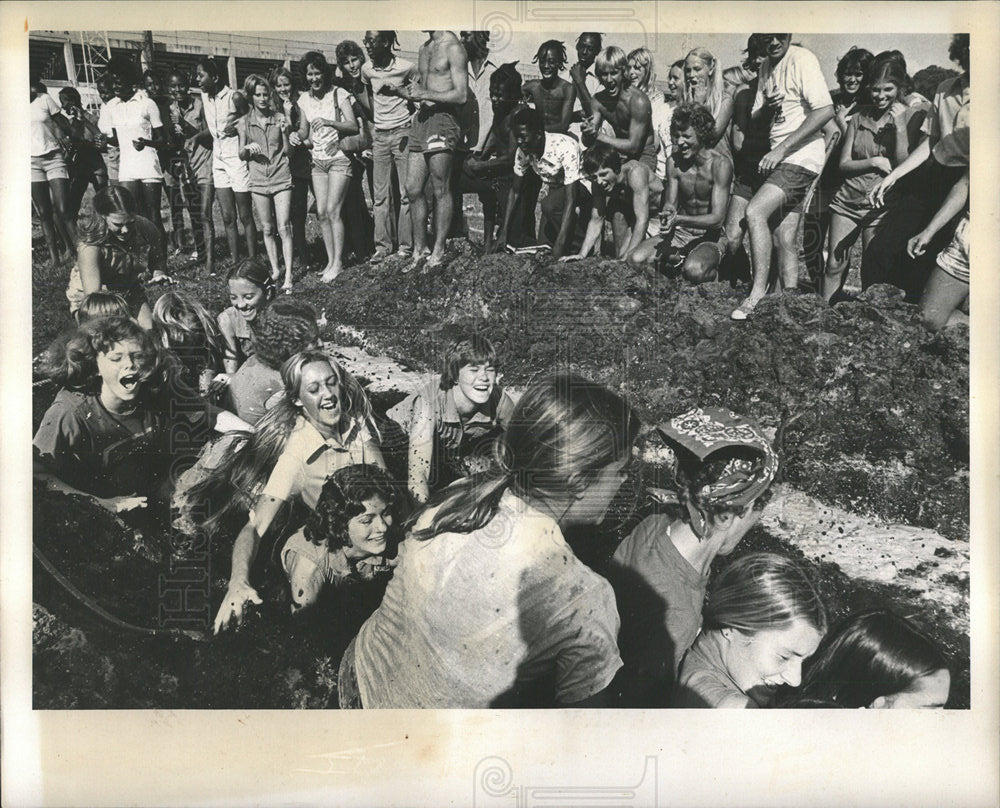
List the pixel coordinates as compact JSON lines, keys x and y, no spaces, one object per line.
{"x":135,"y":118}
{"x":42,"y":139}
{"x":326,"y":108}
{"x":799,"y":77}
{"x":662,"y":111}
{"x":470,"y":617}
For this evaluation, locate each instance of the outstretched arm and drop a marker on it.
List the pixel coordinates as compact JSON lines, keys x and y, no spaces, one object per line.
{"x":952,"y":205}
{"x":638,"y":129}
{"x":815,"y":120}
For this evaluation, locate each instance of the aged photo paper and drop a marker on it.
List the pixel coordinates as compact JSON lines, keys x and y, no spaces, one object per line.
{"x":464,"y":758}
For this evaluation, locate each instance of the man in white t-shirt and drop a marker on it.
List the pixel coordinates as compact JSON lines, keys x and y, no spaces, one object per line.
{"x":792,"y":94}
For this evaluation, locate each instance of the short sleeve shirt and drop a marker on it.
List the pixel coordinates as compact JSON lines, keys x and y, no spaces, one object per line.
{"x":704,"y":680}
{"x":948,"y":124}
{"x":660,"y":597}
{"x":799,"y":77}
{"x":472,"y":620}
{"x":269,"y":170}
{"x":390,"y":111}
{"x":199,"y":156}
{"x":133,"y":119}
{"x":217,"y":112}
{"x":42,"y":139}
{"x":333,"y":106}
{"x":232,"y":322}
{"x":309,"y":460}
{"x":559,"y":163}
{"x":253,"y":390}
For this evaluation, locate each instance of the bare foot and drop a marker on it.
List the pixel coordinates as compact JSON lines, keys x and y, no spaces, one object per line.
{"x":329,"y":274}
{"x":434,"y":260}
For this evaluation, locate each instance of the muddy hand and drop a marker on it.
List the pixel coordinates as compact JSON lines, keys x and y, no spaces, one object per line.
{"x":233,"y":606}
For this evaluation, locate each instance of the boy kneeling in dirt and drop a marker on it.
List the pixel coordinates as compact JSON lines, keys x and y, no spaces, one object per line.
{"x":627,"y":192}
{"x":694,"y":207}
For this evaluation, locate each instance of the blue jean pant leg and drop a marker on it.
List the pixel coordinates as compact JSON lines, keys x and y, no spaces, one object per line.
{"x":388,"y":224}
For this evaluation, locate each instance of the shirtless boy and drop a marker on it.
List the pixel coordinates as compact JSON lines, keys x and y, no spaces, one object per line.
{"x":585,"y":82}
{"x":626,"y":191}
{"x":626,"y":108}
{"x":551,"y":94}
{"x":435,"y":136}
{"x":698,"y":181}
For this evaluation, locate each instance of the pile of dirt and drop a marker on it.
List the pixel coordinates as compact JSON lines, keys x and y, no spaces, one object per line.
{"x":870,"y":410}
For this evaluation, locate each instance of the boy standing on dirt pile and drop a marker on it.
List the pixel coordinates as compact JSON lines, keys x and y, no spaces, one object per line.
{"x":792,"y":93}
{"x":435,"y":136}
{"x":694,"y":208}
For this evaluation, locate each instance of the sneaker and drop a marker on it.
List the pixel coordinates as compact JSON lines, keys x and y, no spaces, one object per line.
{"x":745,"y":309}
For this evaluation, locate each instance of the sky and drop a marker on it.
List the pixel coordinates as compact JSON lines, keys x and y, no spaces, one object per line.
{"x":921,"y":50}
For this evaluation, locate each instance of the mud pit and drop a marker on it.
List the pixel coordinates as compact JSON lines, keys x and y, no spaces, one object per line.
{"x":870,"y":413}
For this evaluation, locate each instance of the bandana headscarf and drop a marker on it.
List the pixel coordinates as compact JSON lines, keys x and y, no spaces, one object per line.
{"x":703,"y":431}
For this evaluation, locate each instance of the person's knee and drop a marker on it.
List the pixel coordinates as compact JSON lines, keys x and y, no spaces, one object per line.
{"x":641,"y":257}
{"x":303,"y":597}
{"x":267,"y":229}
{"x":932,"y":318}
{"x":285,"y":230}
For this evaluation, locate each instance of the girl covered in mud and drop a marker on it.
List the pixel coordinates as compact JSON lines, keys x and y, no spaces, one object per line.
{"x":452,"y":421}
{"x":763,"y":618}
{"x":488,"y":606}
{"x":250,"y":287}
{"x":116,"y":247}
{"x":878,"y":660}
{"x":107,"y":434}
{"x":721,"y":470}
{"x":347,"y":539}
{"x":323,"y":423}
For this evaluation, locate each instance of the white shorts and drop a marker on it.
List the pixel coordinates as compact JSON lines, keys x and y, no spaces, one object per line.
{"x":954,"y":259}
{"x":231,"y":172}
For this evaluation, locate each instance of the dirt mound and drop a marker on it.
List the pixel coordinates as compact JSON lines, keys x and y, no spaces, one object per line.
{"x":869,"y":409}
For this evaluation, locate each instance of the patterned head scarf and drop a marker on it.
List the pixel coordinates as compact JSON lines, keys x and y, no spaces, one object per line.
{"x":701,"y":432}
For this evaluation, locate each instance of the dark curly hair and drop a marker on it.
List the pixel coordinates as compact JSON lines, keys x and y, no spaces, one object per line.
{"x":342,"y":498}
{"x":506,"y":81}
{"x":958,"y":51}
{"x":282,"y":329}
{"x":696,"y":116}
{"x":317,"y":60}
{"x":214,"y":69}
{"x":559,"y":48}
{"x":472,"y":350}
{"x":856,"y":57}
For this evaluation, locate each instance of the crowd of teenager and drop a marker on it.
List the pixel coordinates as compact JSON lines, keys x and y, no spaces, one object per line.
{"x":483,"y":599}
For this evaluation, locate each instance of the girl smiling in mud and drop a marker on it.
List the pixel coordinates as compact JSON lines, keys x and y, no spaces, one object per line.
{"x":763,"y":618}
{"x":458,"y":412}
{"x":323,"y":424}
{"x":347,"y":539}
{"x":250,"y":287}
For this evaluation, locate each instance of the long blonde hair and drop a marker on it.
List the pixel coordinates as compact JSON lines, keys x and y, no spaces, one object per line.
{"x":643,"y":57}
{"x":714,"y":93}
{"x":239,"y":479}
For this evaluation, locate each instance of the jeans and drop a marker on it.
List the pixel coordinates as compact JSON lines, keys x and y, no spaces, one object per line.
{"x":388,"y":227}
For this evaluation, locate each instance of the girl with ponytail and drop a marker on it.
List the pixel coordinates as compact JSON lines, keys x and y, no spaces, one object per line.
{"x":489,"y":606}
